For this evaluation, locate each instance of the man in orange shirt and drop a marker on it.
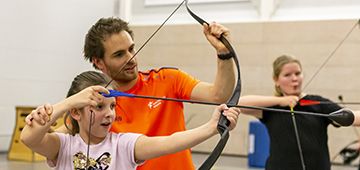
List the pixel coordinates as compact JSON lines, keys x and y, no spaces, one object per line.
{"x":109,"y":45}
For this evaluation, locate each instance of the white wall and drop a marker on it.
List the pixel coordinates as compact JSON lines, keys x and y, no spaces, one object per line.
{"x":225,"y":12}
{"x":41,"y":51}
{"x":317,"y":10}
{"x":246,"y":11}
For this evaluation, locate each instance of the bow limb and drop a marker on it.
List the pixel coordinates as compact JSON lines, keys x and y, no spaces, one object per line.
{"x":223,"y":124}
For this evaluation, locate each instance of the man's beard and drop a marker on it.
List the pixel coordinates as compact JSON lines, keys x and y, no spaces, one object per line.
{"x":123,"y":78}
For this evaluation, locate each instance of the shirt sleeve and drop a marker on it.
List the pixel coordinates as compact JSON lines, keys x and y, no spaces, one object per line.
{"x":184,"y":85}
{"x":63,"y":142}
{"x":126,"y":144}
{"x":329,"y":108}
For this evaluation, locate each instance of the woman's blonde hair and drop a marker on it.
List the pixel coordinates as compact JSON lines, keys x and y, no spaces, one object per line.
{"x":277,"y":67}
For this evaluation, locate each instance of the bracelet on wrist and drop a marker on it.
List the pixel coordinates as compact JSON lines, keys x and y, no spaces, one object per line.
{"x":225,"y":56}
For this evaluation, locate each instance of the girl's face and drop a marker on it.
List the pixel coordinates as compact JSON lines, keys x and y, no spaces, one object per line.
{"x":103,"y":116}
{"x":290,"y":79}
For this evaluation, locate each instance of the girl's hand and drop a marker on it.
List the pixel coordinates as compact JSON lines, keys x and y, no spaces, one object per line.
{"x":41,"y":115}
{"x":89,"y":96}
{"x":231,"y":114}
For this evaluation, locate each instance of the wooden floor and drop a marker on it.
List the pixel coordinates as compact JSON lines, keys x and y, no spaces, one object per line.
{"x":224,"y":163}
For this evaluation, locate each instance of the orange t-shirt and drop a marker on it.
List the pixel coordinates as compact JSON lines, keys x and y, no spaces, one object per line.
{"x":157,"y":117}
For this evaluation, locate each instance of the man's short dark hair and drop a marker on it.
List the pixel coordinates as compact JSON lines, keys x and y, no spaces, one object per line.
{"x":98,"y":33}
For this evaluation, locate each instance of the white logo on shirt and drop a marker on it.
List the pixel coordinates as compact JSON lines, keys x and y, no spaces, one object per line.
{"x":153,"y":105}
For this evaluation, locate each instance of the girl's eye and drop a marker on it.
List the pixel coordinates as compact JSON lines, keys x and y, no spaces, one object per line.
{"x":112,"y":106}
{"x":99,"y":107}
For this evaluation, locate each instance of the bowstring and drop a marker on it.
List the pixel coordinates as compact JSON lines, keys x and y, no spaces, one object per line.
{"x":297,"y":136}
{"x":223,"y":124}
{"x":143,"y":45}
{"x":88,"y":143}
{"x":123,"y":67}
{"x":312,"y":78}
{"x":331,"y":54}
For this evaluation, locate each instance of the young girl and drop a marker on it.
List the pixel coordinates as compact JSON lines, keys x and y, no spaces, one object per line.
{"x":84,"y":106}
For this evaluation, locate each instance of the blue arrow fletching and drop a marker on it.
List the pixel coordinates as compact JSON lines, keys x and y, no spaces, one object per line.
{"x":115,"y":93}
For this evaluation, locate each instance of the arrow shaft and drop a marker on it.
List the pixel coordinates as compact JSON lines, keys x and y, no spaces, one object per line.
{"x":216,"y":104}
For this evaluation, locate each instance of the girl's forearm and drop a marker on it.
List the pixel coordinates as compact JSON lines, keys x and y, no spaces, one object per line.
{"x":189,"y":138}
{"x":157,"y":146}
{"x":33,"y":135}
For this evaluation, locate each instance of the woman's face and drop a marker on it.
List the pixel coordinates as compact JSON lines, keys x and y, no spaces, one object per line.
{"x":290,"y":79}
{"x":103,"y":116}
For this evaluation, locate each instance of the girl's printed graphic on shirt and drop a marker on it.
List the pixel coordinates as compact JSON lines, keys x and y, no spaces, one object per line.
{"x":101,"y":163}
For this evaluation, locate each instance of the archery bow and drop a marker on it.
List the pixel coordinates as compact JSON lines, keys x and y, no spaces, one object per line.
{"x":342,"y":112}
{"x":223,"y":124}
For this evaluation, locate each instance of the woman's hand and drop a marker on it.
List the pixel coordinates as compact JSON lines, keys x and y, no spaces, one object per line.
{"x":290,"y":101}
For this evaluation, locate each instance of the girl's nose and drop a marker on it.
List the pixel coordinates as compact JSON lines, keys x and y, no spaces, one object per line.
{"x":110,"y":113}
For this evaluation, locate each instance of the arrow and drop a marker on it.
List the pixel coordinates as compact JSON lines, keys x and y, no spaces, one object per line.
{"x":343,"y":117}
{"x":305,"y":102}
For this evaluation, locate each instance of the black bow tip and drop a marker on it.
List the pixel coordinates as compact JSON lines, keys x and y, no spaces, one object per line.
{"x":349,"y":155}
{"x":343,"y":117}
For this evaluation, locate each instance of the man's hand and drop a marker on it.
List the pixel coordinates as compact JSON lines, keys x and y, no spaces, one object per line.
{"x":213,"y":31}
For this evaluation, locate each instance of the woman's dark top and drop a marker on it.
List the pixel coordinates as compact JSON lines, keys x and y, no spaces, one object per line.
{"x":284,"y":152}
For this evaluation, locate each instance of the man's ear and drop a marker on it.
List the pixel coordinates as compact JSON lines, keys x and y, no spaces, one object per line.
{"x":75,"y":114}
{"x":99,"y":63}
